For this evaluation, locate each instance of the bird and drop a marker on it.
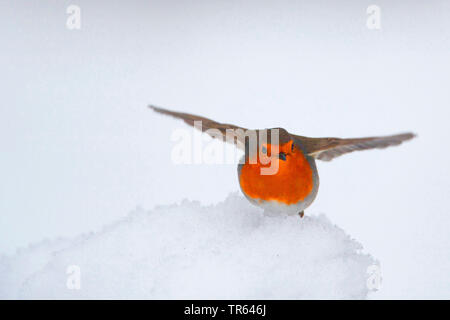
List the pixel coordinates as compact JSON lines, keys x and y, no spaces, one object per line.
{"x":294,"y":183}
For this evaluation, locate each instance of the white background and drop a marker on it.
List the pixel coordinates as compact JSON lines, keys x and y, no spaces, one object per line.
{"x":79,"y":148}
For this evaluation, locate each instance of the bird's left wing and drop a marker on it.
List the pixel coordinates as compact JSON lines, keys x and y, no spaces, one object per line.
{"x":327,"y":149}
{"x":226,"y":132}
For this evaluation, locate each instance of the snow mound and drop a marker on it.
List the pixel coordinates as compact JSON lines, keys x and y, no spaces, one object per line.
{"x":226,"y":251}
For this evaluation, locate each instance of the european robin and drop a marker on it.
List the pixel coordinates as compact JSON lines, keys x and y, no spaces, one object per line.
{"x":278,"y":171}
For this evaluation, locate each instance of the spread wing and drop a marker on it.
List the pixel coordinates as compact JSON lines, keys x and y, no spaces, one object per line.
{"x":213,"y":128}
{"x":327,"y":149}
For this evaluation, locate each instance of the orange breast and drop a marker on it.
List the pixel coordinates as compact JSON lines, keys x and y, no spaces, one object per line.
{"x":292,"y":183}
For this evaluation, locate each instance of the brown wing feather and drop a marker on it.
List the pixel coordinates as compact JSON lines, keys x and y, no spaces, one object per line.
{"x":327,"y":149}
{"x":206,"y":124}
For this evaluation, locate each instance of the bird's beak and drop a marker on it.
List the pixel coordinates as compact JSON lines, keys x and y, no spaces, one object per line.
{"x":282,"y":156}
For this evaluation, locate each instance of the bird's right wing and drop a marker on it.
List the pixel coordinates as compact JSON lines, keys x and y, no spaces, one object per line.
{"x":327,"y":149}
{"x":226,"y":132}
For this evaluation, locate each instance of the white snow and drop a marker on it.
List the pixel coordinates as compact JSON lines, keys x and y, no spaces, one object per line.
{"x":231,"y":250}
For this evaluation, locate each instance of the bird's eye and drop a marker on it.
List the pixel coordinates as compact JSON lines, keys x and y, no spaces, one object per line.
{"x":264,"y":150}
{"x":292,"y":147}
{"x":282,"y":156}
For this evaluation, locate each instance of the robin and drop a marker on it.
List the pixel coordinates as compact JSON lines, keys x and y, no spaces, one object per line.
{"x":292,"y":185}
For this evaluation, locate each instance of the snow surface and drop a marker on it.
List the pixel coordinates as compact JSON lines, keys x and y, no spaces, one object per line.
{"x":231,"y":250}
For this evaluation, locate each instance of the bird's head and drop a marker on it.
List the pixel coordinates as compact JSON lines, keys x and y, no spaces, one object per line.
{"x":270,"y":144}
